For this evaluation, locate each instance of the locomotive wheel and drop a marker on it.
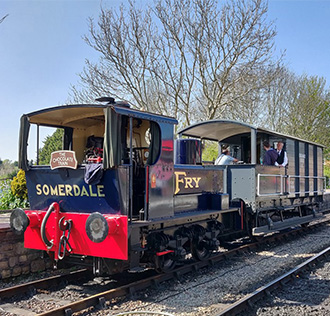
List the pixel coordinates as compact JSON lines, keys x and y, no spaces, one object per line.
{"x":200,"y":252}
{"x":250,"y":223}
{"x":164,"y":264}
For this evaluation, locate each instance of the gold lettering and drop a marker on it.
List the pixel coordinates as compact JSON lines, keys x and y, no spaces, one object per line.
{"x":100,"y":189}
{"x":61,"y":190}
{"x":91,"y":191}
{"x":45,"y":189}
{"x":38,"y":188}
{"x":76,"y":190}
{"x":84,"y":192}
{"x":178,"y":180}
{"x":197,"y":181}
{"x":53,"y":191}
{"x":73,"y":190}
{"x":188,"y":183}
{"x":68,"y":190}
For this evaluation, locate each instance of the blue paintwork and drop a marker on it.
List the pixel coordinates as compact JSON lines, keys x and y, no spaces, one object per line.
{"x":109,"y":201}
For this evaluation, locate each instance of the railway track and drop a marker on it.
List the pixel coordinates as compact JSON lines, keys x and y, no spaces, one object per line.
{"x":247,"y":301}
{"x":43,"y":284}
{"x":100,"y":299}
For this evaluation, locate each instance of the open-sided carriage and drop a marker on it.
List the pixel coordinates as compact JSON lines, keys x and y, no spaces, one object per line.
{"x":274,"y":197}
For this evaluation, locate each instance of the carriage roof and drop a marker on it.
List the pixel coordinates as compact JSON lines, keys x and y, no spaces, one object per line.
{"x":219,"y":130}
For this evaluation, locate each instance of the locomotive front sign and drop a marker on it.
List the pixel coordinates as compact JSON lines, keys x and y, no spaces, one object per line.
{"x":63,"y":159}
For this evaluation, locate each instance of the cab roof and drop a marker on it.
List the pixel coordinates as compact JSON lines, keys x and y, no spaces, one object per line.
{"x":86,"y":114}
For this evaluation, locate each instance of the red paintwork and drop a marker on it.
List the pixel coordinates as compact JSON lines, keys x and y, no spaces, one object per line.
{"x":57,"y":217}
{"x":95,"y":160}
{"x":163,"y":253}
{"x":167,"y":145}
{"x":114,"y":246}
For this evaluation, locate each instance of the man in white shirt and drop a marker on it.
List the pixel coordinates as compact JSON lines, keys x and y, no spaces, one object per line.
{"x":282,"y":159}
{"x":225,"y":158}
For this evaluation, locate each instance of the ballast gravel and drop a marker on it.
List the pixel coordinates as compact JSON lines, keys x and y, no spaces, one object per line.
{"x":209,"y":291}
{"x":309,"y":294}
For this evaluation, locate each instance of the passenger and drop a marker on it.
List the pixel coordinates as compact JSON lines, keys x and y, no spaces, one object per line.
{"x":225,"y":158}
{"x":282,"y":159}
{"x":270,"y":156}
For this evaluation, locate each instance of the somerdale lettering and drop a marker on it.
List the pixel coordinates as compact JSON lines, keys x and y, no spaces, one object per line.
{"x":70,"y":190}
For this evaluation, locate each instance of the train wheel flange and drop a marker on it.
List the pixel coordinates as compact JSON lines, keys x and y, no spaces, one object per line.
{"x":200,"y":251}
{"x":164,"y":263}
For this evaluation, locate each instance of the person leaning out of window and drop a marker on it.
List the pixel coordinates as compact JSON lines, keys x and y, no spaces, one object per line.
{"x":282,"y":159}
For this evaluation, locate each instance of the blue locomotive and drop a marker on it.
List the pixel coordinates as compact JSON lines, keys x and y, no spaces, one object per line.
{"x":123,"y":194}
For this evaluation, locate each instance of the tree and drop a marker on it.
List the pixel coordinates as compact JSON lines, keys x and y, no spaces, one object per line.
{"x":266,"y":106}
{"x":51,"y":143}
{"x":180,"y":58}
{"x":308,"y":115}
{"x":8,"y":169}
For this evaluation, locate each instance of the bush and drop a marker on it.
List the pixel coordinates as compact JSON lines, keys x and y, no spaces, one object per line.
{"x":18,"y":185}
{"x":13,"y":193}
{"x":8,"y":200}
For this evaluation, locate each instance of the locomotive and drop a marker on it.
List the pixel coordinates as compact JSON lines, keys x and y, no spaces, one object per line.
{"x":124,"y":194}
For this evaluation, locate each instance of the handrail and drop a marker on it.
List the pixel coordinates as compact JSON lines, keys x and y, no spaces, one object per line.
{"x":308,"y":177}
{"x":283,"y":177}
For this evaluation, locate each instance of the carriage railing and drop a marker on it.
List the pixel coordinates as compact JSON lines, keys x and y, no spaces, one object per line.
{"x":281,"y":184}
{"x":323,"y":179}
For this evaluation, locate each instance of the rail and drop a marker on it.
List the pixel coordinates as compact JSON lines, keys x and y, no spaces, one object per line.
{"x":100,"y":299}
{"x":131,"y":288}
{"x":282,"y":181}
{"x":244,"y":303}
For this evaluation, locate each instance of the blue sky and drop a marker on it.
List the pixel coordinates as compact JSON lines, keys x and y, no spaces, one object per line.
{"x":42,"y":51}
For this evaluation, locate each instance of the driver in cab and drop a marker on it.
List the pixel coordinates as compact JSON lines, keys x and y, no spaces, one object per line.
{"x":225,"y":158}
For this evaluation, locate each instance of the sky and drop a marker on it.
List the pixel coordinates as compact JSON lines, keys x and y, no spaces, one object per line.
{"x":42,"y":51}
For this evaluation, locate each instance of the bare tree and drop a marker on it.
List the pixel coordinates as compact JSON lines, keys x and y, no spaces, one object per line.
{"x":181,"y":58}
{"x":2,"y":19}
{"x":233,"y":44}
{"x":308,"y":115}
{"x":278,"y":94}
